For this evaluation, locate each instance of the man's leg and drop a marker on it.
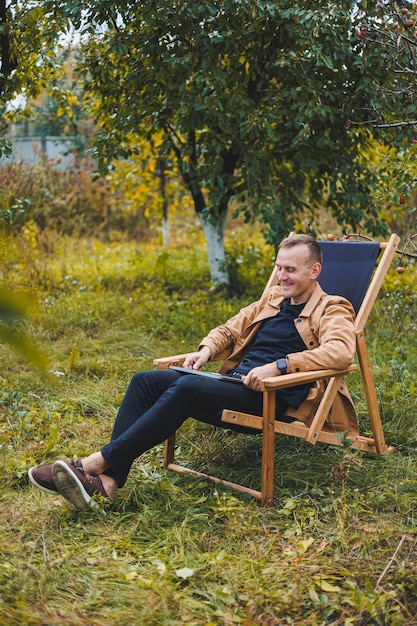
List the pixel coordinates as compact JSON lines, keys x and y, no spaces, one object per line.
{"x":156,"y":403}
{"x":143,"y":390}
{"x":189,"y":396}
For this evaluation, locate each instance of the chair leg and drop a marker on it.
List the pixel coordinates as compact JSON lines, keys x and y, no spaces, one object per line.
{"x":323,"y":410}
{"x":370,"y":394}
{"x":268,"y":441}
{"x":169,"y":451}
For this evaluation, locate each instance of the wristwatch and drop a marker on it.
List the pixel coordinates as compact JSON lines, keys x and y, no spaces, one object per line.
{"x":282,"y":366}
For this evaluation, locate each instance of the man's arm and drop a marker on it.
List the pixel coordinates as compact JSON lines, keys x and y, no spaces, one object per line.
{"x":331,"y":333}
{"x":254,"y":378}
{"x":196,"y":360}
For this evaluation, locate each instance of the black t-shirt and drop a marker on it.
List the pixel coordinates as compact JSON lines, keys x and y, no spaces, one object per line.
{"x":276,"y":337}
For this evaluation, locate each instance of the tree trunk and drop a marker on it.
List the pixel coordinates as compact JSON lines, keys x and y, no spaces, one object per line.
{"x":161,"y":167}
{"x":7,"y":63}
{"x":214,"y":236}
{"x":165,"y":231}
{"x":214,"y":226}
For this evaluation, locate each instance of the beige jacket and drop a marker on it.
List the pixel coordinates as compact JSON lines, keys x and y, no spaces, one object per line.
{"x":326,"y":326}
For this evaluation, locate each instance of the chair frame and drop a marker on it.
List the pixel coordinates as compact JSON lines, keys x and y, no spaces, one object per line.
{"x":267,"y":423}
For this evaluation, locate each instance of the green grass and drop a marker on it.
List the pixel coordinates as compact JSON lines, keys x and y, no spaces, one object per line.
{"x":339,"y":546}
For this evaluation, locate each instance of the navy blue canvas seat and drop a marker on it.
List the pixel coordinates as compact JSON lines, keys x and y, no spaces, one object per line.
{"x":356,"y":271}
{"x":347,"y":268}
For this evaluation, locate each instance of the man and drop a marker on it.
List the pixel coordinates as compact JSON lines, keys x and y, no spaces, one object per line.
{"x":293,"y":327}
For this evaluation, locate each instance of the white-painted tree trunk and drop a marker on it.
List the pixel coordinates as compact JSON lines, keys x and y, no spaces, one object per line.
{"x":214,"y":236}
{"x":165,"y":231}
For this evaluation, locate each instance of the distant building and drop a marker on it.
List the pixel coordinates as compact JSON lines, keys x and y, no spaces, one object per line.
{"x":33,"y":149}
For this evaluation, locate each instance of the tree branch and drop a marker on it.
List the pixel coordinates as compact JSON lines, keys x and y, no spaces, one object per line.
{"x":376,"y":124}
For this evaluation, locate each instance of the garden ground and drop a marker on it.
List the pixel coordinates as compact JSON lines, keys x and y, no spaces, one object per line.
{"x":338,"y":547}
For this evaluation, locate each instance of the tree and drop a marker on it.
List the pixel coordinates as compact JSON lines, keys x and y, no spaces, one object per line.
{"x":252,"y":99}
{"x":27,"y":55}
{"x":26,"y":49}
{"x":8,"y":59}
{"x":389,"y":28}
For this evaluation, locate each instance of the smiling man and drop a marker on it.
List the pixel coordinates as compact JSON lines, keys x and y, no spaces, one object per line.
{"x":294,"y":327}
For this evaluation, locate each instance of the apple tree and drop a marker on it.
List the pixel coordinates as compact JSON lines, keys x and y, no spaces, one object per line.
{"x":250,"y":98}
{"x":389,"y":28}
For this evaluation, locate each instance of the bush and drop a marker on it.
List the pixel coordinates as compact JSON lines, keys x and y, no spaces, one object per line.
{"x":71,"y":202}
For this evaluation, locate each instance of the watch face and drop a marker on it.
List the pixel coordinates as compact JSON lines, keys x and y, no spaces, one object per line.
{"x":282,"y":366}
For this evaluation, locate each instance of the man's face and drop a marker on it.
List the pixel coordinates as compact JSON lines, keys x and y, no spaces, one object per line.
{"x":296,"y":275}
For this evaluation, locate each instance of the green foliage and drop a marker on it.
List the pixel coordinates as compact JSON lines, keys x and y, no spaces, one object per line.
{"x":388,"y":28}
{"x":131,"y":202}
{"x":251,"y":99}
{"x":255,"y":102}
{"x":396,"y":364}
{"x":396,"y":191}
{"x":27,"y":52}
{"x":338,"y":547}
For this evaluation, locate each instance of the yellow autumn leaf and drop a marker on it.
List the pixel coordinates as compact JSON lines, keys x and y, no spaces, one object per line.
{"x":324,"y":585}
{"x":304,"y":544}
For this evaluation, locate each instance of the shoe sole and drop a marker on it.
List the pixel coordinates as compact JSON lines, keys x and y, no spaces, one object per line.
{"x":70,"y":486}
{"x":38,"y":485}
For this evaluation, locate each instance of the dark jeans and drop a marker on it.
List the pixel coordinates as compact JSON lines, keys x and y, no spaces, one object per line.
{"x":157,"y":402}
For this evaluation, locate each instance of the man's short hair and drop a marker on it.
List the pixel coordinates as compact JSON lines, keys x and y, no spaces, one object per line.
{"x":314,"y":250}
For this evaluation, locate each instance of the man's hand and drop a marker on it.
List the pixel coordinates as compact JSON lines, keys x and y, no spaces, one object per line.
{"x":254,"y":378}
{"x":196,"y":360}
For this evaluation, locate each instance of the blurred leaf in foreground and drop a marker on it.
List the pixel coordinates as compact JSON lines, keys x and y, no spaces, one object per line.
{"x":14,"y":308}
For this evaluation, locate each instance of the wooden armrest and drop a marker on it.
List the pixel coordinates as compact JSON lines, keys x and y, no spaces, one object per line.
{"x":299,"y":378}
{"x":164,"y":362}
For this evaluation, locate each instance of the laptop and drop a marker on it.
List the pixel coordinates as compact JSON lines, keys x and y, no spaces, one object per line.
{"x":186,"y":370}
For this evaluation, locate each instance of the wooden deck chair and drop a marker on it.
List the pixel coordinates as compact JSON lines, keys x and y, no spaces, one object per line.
{"x":355,"y":270}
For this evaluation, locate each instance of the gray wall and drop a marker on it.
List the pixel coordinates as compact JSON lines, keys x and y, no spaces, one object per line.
{"x":33,"y":149}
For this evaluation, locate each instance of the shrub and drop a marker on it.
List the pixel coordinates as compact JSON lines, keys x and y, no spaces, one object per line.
{"x":68,"y":201}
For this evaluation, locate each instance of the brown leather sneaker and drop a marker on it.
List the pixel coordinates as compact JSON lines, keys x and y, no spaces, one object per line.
{"x":76,"y":486}
{"x":41,"y":477}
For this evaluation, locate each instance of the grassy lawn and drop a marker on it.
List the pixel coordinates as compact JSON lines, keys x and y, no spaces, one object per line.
{"x":339,"y":546}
